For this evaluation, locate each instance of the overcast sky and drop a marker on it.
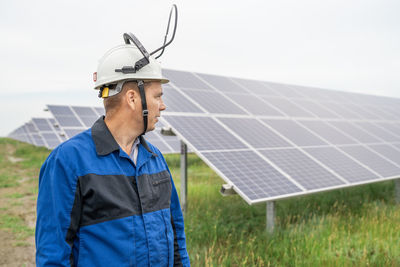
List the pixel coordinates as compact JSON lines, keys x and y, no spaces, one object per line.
{"x":50,"y":49}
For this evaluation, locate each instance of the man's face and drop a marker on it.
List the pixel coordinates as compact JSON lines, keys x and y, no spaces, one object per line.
{"x":155,"y":104}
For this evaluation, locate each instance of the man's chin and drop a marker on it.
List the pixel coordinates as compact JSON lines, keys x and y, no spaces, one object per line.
{"x":149,"y":129}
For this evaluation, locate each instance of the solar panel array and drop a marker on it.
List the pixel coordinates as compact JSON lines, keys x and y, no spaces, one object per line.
{"x":273,"y":141}
{"x":39,"y":132}
{"x":68,"y":121}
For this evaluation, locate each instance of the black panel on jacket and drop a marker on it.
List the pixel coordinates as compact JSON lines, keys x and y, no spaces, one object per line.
{"x":155,"y":191}
{"x":107,"y":197}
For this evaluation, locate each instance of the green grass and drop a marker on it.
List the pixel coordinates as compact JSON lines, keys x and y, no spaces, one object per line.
{"x":16,"y":225}
{"x":357,"y":226}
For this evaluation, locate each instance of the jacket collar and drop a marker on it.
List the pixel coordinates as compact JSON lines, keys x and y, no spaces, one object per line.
{"x":105,"y":142}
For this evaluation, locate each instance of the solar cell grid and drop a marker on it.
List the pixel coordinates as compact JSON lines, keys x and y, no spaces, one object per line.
{"x":395,"y":114}
{"x":378,"y":132}
{"x":186,"y":80}
{"x":388,"y":152}
{"x":68,"y":121}
{"x":177,"y":102}
{"x":30,"y":128}
{"x":342,"y":164}
{"x":296,"y":133}
{"x":327,"y":132}
{"x":310,"y":92}
{"x":48,"y":136}
{"x":214,"y":102}
{"x":354,"y":132}
{"x":84,"y":111}
{"x":284,"y":90}
{"x":256,"y":87}
{"x":251,"y":174}
{"x":302,"y":168}
{"x":374,"y":161}
{"x":60,"y":110}
{"x":341,"y":110}
{"x":37,"y":139}
{"x":391,"y":127}
{"x":381,"y":112}
{"x":222,"y":83}
{"x":255,"y":133}
{"x":88,"y":121}
{"x":204,"y":133}
{"x":364,"y":112}
{"x":255,"y":105}
{"x":41,"y":124}
{"x":287,"y":107}
{"x":315,"y":108}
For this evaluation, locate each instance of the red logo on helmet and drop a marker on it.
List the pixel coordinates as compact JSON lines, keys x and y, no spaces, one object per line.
{"x":95,"y":76}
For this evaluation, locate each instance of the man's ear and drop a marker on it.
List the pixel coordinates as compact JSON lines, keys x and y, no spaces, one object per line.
{"x":131,"y":98}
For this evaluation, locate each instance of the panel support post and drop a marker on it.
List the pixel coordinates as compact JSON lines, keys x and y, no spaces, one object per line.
{"x":270,"y":216}
{"x":397,"y":191}
{"x":183,"y":177}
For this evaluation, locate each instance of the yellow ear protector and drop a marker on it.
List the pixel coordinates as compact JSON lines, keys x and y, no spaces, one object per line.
{"x":104,"y":92}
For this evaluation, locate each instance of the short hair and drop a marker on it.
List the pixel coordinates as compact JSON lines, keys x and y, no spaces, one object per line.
{"x":112,"y":103}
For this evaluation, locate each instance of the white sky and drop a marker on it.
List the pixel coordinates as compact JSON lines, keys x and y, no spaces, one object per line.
{"x":49,"y":49}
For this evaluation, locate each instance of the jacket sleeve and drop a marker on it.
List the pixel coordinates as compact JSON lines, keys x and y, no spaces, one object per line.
{"x":181,"y":256}
{"x":58,"y":212}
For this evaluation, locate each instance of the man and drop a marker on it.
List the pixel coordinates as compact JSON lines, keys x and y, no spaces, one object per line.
{"x":106,"y":196}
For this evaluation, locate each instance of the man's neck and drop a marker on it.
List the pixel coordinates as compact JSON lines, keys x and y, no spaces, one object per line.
{"x":123,"y":132}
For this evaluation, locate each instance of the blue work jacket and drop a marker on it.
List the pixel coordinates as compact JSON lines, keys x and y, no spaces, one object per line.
{"x":96,"y":207}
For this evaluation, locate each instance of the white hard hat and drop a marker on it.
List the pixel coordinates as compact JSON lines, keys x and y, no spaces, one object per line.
{"x":123,"y":56}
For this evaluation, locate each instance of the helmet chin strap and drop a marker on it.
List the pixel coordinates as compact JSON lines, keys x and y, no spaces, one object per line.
{"x":145,"y":111}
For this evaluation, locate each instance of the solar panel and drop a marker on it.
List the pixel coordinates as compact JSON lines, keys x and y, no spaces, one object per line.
{"x":373,"y":160}
{"x":255,"y":105}
{"x":86,"y":115}
{"x":256,"y":87}
{"x":214,"y":102}
{"x":221,"y":83}
{"x":387,"y":151}
{"x":378,"y":132}
{"x":284,"y":90}
{"x":255,"y":133}
{"x":346,"y":167}
{"x":341,"y":110}
{"x":49,"y":134}
{"x":20,"y":134}
{"x":252,"y":175}
{"x":186,"y":80}
{"x":42,"y":124}
{"x":176,"y":101}
{"x":308,"y":173}
{"x":354,"y":132}
{"x":198,"y":130}
{"x":295,"y":132}
{"x":272,"y":140}
{"x":287,"y":107}
{"x":327,"y":132}
{"x":316,"y":109}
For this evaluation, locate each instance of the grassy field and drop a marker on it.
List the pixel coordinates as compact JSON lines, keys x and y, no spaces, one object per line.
{"x":353,"y":227}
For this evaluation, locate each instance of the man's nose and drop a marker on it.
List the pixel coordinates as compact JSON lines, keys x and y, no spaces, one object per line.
{"x":162,"y":106}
